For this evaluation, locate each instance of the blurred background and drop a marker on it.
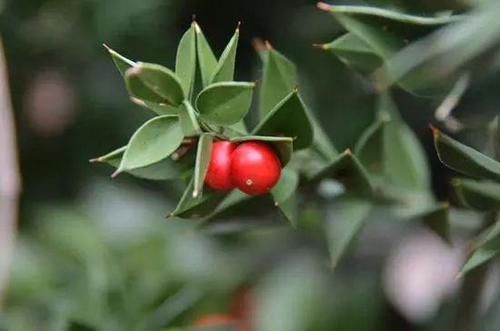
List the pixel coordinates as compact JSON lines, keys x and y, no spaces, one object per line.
{"x":98,"y":254}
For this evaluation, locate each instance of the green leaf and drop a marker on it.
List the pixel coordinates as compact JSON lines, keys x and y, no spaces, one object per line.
{"x":279,"y":79}
{"x":189,"y":120}
{"x":185,"y":61}
{"x":203,"y":156}
{"x":286,"y":186}
{"x":436,"y":218}
{"x":154,"y":83}
{"x":120,"y":61}
{"x":370,"y":147}
{"x":486,"y":247}
{"x":206,"y":58}
{"x":348,"y":170}
{"x":225,"y":103}
{"x":390,"y":15}
{"x":347,"y":219}
{"x":289,"y":118}
{"x":282,"y":145}
{"x":355,"y":52}
{"x":199,"y":207}
{"x":479,"y":195}
{"x":158,"y":108}
{"x":464,"y":159}
{"x":163,"y":170}
{"x":152,"y":142}
{"x":405,"y":161}
{"x":224,"y":72}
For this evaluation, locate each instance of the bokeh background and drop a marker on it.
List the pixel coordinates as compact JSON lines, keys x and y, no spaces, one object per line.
{"x":95,"y":253}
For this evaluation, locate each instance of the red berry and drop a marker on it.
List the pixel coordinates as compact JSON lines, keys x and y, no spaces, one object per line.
{"x":215,"y":320}
{"x":255,"y":168}
{"x":219,"y":169}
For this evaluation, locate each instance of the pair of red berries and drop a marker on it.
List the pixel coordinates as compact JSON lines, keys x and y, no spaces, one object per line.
{"x":251,"y":166}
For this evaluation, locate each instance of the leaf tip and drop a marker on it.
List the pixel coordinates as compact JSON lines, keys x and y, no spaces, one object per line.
{"x":459,"y":275}
{"x":193,"y":20}
{"x":276,"y":204}
{"x":116,"y":173}
{"x":323,"y":6}
{"x":197,"y":28}
{"x":348,"y":152}
{"x":435,"y":131}
{"x":258,"y":44}
{"x":107,"y":47}
{"x":320,"y":46}
{"x":238,"y":27}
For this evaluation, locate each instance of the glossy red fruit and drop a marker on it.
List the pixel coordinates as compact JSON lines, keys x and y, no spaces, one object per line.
{"x":255,"y":167}
{"x":219,"y":169}
{"x":215,"y":320}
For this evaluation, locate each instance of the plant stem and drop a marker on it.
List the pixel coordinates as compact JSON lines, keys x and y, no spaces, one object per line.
{"x":10,"y":182}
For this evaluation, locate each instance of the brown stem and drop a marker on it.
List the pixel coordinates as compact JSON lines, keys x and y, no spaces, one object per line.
{"x":10,"y":183}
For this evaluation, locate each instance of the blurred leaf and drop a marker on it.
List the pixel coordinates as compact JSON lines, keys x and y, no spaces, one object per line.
{"x":294,"y":297}
{"x":479,"y":195}
{"x":206,"y":57}
{"x":485,"y":248}
{"x":154,"y":83}
{"x":224,"y":72}
{"x":203,"y":156}
{"x":185,"y":61}
{"x":347,"y":219}
{"x":163,"y":170}
{"x":370,"y":147}
{"x":464,"y":159}
{"x":354,"y":52}
{"x":152,"y":142}
{"x":121,"y":62}
{"x":214,"y":328}
{"x":282,"y":145}
{"x":289,"y":208}
{"x":436,"y":219}
{"x":405,"y":161}
{"x":349,"y":170}
{"x":189,"y":120}
{"x":289,"y":118}
{"x":432,"y":54}
{"x":364,"y":12}
{"x":225,"y":103}
{"x":279,"y":78}
{"x":286,"y":186}
{"x":190,"y":207}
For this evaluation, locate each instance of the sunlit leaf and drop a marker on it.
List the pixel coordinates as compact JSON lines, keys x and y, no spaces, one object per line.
{"x":224,"y":71}
{"x":185,"y":61}
{"x":157,"y":139}
{"x":154,"y":83}
{"x":225,"y":103}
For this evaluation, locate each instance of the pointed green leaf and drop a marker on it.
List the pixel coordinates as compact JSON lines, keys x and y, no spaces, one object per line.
{"x":370,"y":147}
{"x":282,"y":145}
{"x":390,"y":15}
{"x":203,"y":155}
{"x":206,"y":58}
{"x":152,"y":142}
{"x":480,"y":195}
{"x":224,"y":72}
{"x":120,"y":61}
{"x":437,"y":220}
{"x":348,"y":216}
{"x":289,"y":208}
{"x":464,"y":159}
{"x":349,"y":170}
{"x":185,"y":61}
{"x":289,"y":118}
{"x":225,"y":103}
{"x":279,"y":79}
{"x":404,"y":159}
{"x":286,"y":186}
{"x":201,"y":206}
{"x":485,"y":247}
{"x":154,"y":83}
{"x":163,"y":170}
{"x":355,"y":52}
